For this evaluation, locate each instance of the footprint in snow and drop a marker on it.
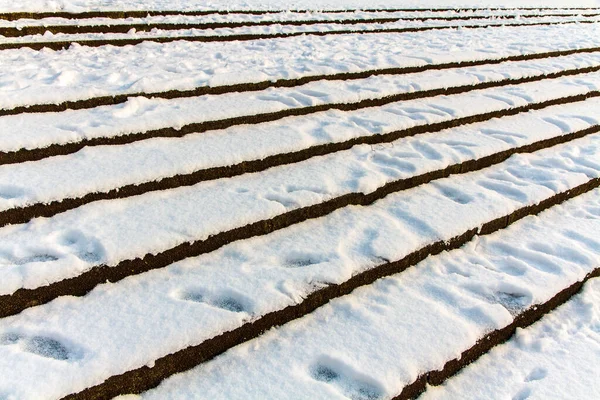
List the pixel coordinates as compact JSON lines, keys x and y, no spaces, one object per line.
{"x":39,"y":345}
{"x":9,"y":192}
{"x":300,"y":259}
{"x":345,"y":379}
{"x":228,"y":300}
{"x":523,"y":394}
{"x":536,"y":375}
{"x":84,"y":247}
{"x":454,"y":194}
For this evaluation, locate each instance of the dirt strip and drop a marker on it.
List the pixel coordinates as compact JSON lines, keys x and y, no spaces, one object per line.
{"x":13,"y":16}
{"x":141,"y":27}
{"x":82,"y":284}
{"x":145,"y":27}
{"x":280,"y":83}
{"x":25,"y":214}
{"x":492,"y":339}
{"x":144,"y":378}
{"x":61,"y":45}
{"x":24,"y":155}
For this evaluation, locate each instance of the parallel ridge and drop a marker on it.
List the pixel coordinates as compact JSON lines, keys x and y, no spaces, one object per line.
{"x":12,"y":16}
{"x":24,"y":214}
{"x":492,"y":339}
{"x":144,"y":378}
{"x":24,"y":155}
{"x":279,"y":83}
{"x":142,"y":27}
{"x":60,"y":45}
{"x":82,"y":284}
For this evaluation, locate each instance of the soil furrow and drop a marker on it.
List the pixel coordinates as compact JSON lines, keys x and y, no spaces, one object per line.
{"x":145,"y":27}
{"x":13,"y":16}
{"x":492,"y":339}
{"x":82,"y":284}
{"x":60,"y":45}
{"x":142,"y":379}
{"x":24,"y":155}
{"x":24,"y":214}
{"x":280,"y":83}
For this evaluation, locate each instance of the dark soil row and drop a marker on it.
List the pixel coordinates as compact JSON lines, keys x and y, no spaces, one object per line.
{"x":145,"y":378}
{"x":60,"y":45}
{"x":145,"y":27}
{"x":82,"y":284}
{"x":24,"y":214}
{"x":485,"y":344}
{"x":13,"y":16}
{"x":24,"y":155}
{"x":249,"y":87}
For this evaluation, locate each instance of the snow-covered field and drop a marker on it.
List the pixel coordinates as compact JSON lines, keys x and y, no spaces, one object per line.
{"x":360,"y":204}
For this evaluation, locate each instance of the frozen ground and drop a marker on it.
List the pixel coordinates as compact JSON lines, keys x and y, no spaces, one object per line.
{"x":356,"y":237}
{"x":282,"y":28}
{"x":369,"y":344}
{"x":86,"y":5}
{"x":555,"y":358}
{"x":32,"y":77}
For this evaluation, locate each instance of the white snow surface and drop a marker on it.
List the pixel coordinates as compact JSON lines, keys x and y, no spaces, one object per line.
{"x":80,"y":72}
{"x":141,"y":114}
{"x":557,"y":358}
{"x":381,"y":337}
{"x":126,"y":325}
{"x":50,"y":249}
{"x":284,"y":16}
{"x":373,"y":342}
{"x":89,"y":5}
{"x":103,"y":168}
{"x":183,"y":34}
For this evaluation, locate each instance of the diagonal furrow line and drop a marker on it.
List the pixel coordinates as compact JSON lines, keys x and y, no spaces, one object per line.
{"x":492,"y":339}
{"x":60,"y":45}
{"x":141,"y":379}
{"x":280,"y":83}
{"x":144,"y":27}
{"x":82,"y":284}
{"x":23,"y":155}
{"x":12,"y":16}
{"x":48,"y":209}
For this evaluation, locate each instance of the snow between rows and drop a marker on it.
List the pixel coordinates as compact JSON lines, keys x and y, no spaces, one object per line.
{"x":139,"y":114}
{"x":193,"y":5}
{"x":123,"y":326}
{"x":280,"y":17}
{"x":370,"y":344}
{"x":100,"y":169}
{"x":33,"y":77}
{"x":85,"y":38}
{"x":555,"y":358}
